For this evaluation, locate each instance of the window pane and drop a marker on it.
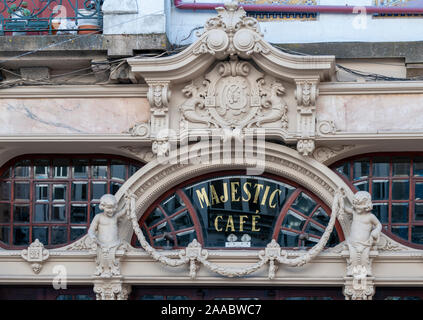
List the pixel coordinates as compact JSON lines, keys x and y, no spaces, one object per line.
{"x":22,"y":169}
{"x":160,"y":229}
{"x":399,"y":212}
{"x":4,"y":234}
{"x":362,"y":186}
{"x":185,"y":238}
{"x":21,"y":213}
{"x":61,"y":168}
{"x":7,"y":173}
{"x":419,"y":191}
{"x":80,"y":169}
{"x":380,"y":167}
{"x":5,"y":191}
{"x":182,"y":221}
{"x":418,"y":211}
{"x":400,"y":231}
{"x":418,"y":166}
{"x":4,"y":212}
{"x":401,"y":167}
{"x":293,"y":221}
{"x":59,"y":235}
{"x":417,"y":234}
{"x":114,"y":187}
{"x":21,"y":191}
{"x":77,"y":232}
{"x":118,"y":170}
{"x":381,"y":211}
{"x":173,"y":204}
{"x":21,"y":236}
{"x":98,"y":189}
{"x":40,"y":233}
{"x":94,"y":210}
{"x":99,"y":169}
{"x":59,"y":192}
{"x":361,"y":169}
{"x":41,"y":169}
{"x":304,"y":204}
{"x":41,"y":213}
{"x":78,"y":213}
{"x":380,"y":190}
{"x":344,"y":169}
{"x":314,"y":229}
{"x":154,"y":217}
{"x":41,"y":192}
{"x":79,"y":191}
{"x":321,"y":217}
{"x":400,"y":190}
{"x":59,"y":212}
{"x":133,"y":169}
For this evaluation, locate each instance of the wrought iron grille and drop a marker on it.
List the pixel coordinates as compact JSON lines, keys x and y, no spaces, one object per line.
{"x":19,"y":17}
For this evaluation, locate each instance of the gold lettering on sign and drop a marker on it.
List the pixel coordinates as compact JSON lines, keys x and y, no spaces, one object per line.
{"x":202,"y":197}
{"x":224,"y":198}
{"x":230,"y":224}
{"x":258,"y":189}
{"x":272,"y":196}
{"x":214,"y":196}
{"x":266,"y":192}
{"x":253,"y":226}
{"x":216,"y":223}
{"x":241,"y":222}
{"x":247,"y":192}
{"x":234,"y":190}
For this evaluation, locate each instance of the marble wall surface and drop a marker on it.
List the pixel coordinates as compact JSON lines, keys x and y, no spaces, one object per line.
{"x":71,"y":116}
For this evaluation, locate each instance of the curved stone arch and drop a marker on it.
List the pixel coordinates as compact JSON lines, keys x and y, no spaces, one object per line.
{"x":154,"y":179}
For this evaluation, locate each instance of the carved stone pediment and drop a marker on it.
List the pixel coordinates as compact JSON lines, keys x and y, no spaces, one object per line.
{"x":234,"y":95}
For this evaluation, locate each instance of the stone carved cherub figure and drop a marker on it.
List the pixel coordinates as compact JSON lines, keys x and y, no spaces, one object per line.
{"x":104,"y":231}
{"x":365,"y":233}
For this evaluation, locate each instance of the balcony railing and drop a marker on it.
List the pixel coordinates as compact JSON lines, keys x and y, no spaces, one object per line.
{"x":38,"y":17}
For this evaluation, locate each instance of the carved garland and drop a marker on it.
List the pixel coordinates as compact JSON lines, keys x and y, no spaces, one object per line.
{"x":194,"y":254}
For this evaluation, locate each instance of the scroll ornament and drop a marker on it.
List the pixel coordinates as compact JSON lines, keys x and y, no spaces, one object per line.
{"x":195,"y":255}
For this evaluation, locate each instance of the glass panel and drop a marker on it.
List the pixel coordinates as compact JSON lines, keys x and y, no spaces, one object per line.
{"x":400,"y":231}
{"x":361,"y":169}
{"x":94,"y":210}
{"x":59,"y":212}
{"x":185,"y":238}
{"x":165,"y":243}
{"x":4,"y":212}
{"x":173,"y":204}
{"x":99,"y":169}
{"x":309,"y":242}
{"x":118,"y":170}
{"x":61,"y":168}
{"x":40,"y":233}
{"x":304,"y":204}
{"x":80,"y":169}
{"x":176,"y":298}
{"x":362,"y":186}
{"x":418,"y":166}
{"x":314,"y":229}
{"x":417,"y":234}
{"x":321,"y":217}
{"x":293,"y":221}
{"x":401,"y":167}
{"x":380,"y":190}
{"x":114,"y":187}
{"x":333,"y":239}
{"x":41,"y":192}
{"x":41,"y":169}
{"x":419,"y":191}
{"x":381,"y":211}
{"x":22,"y":169}
{"x":288,"y":238}
{"x":64,"y":297}
{"x":21,"y":191}
{"x":41,"y":213}
{"x":133,"y":169}
{"x":399,"y":212}
{"x":59,"y":235}
{"x":7,"y":173}
{"x":78,"y":213}
{"x":59,"y":192}
{"x":161,"y":228}
{"x":98,"y":189}
{"x":400,"y":190}
{"x":4,"y":234}
{"x":20,"y":236}
{"x":151,"y":297}
{"x":418,"y":211}
{"x":79,"y":191}
{"x":77,"y":232}
{"x":182,"y":221}
{"x":344,"y":169}
{"x":380,"y":167}
{"x":154,"y":217}
{"x":5,"y":191}
{"x":21,"y":213}
{"x":83,"y":297}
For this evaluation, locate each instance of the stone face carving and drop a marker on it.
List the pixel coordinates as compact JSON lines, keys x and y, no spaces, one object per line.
{"x":104,"y":231}
{"x":306,"y":96}
{"x":231,"y":33}
{"x":35,"y":254}
{"x":234,"y":95}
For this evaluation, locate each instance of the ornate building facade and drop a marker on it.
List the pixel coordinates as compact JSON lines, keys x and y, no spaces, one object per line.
{"x":238,"y":171}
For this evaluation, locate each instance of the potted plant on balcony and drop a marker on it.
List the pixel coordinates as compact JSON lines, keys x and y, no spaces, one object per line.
{"x":88,"y":22}
{"x":17,"y":13}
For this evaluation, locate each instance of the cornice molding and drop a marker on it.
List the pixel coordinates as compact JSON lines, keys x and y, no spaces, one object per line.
{"x":363,"y":88}
{"x":80,"y":91}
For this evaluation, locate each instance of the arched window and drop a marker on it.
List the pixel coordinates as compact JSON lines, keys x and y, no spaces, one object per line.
{"x":235,"y":210}
{"x":53,"y":198}
{"x":395,"y":182}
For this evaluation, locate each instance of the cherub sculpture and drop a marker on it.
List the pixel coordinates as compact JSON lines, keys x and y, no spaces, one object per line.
{"x":104,"y":231}
{"x":365,"y":233}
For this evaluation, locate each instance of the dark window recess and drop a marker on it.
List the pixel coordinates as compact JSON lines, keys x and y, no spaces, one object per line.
{"x":395,"y":182}
{"x":53,"y":198}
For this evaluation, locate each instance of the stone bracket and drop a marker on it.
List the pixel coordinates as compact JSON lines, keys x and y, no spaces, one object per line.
{"x":35,"y":254}
{"x":359,"y":288}
{"x":111,"y":289}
